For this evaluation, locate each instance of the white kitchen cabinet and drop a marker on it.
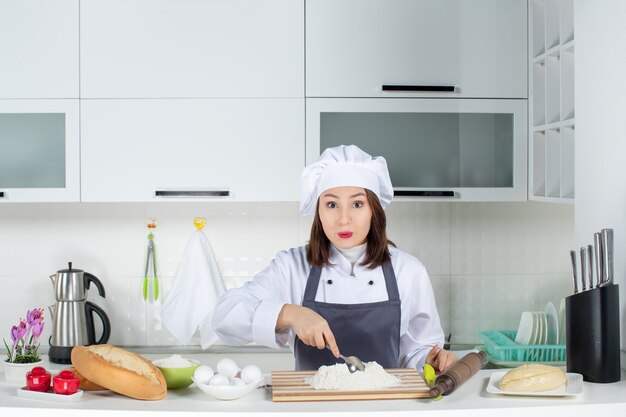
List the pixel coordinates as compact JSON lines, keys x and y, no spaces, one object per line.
{"x":39,"y":151}
{"x":436,"y":149}
{"x":207,"y":149}
{"x":355,"y":47}
{"x":192,"y":48}
{"x":38,"y":49}
{"x":551,"y":101}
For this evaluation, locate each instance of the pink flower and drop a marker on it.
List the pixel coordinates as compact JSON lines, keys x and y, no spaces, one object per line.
{"x":37,"y":330}
{"x":34,"y":316}
{"x":17,"y":332}
{"x":25,"y":347}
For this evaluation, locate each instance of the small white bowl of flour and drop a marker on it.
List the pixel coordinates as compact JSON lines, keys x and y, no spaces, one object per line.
{"x":338,"y":378}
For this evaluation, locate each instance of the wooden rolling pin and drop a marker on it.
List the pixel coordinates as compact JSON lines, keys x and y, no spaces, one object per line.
{"x":461,"y":371}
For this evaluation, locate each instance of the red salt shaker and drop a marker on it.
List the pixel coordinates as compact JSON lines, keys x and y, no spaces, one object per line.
{"x":38,"y":379}
{"x":65,"y":383}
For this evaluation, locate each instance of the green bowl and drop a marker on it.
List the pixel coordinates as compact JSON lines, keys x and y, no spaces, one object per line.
{"x":177,"y":378}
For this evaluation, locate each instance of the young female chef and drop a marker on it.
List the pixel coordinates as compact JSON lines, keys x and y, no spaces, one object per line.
{"x":349,"y":288}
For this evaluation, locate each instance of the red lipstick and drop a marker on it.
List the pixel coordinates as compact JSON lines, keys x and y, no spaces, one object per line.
{"x":345,"y":235}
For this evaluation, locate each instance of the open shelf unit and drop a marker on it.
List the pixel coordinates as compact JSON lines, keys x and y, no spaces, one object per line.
{"x":551,"y":100}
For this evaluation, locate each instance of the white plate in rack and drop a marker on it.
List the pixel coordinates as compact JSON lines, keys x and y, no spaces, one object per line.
{"x":562,"y":331}
{"x":526,"y":328}
{"x":574,"y":387}
{"x":553,"y":324}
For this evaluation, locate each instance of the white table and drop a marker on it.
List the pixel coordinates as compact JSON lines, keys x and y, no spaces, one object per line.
{"x":471,"y":399}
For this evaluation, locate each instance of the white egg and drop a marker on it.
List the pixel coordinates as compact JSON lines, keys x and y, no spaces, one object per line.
{"x":219,"y":379}
{"x":236,"y":382}
{"x":250,"y":374}
{"x":227,"y":367}
{"x":203,"y":374}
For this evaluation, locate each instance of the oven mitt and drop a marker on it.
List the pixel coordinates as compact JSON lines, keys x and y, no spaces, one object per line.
{"x":197,"y":287}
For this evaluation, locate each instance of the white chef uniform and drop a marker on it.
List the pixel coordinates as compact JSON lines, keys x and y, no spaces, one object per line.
{"x":249,"y":314}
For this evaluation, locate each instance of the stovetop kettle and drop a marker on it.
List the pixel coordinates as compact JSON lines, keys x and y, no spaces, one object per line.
{"x":72,"y":315}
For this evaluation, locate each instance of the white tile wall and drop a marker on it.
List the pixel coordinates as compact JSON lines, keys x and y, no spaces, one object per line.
{"x":488,"y":262}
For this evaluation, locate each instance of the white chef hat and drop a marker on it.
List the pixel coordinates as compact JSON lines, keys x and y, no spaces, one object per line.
{"x":344,"y":166}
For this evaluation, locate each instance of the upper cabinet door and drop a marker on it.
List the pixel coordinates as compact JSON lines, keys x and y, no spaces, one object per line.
{"x":39,"y":49}
{"x":197,"y":149}
{"x":192,"y":48}
{"x":39,"y":151}
{"x":477,"y":48}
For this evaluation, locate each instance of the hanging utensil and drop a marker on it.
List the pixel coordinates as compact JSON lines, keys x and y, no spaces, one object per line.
{"x":151,"y":259}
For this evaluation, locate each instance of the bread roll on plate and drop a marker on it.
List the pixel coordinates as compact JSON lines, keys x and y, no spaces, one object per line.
{"x":120,"y":370}
{"x":533,"y":378}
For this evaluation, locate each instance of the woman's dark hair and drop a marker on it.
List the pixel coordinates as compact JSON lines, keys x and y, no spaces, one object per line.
{"x":377,"y":251}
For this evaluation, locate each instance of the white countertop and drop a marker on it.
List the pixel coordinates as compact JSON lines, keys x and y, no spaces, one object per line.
{"x":471,"y":399}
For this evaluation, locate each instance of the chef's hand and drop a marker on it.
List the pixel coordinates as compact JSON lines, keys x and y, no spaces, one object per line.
{"x":440,"y":359}
{"x":310,"y":327}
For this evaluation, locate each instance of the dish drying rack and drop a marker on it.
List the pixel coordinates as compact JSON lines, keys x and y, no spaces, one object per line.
{"x":502,"y":349}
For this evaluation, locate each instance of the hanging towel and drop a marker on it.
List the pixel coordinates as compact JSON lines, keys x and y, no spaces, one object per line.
{"x":197,"y":286}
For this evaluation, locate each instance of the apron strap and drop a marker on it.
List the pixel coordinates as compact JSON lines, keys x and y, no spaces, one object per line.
{"x":312,"y":283}
{"x":390,"y":281}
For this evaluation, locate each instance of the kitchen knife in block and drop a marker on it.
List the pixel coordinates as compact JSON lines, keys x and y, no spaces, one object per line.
{"x":607,"y":246}
{"x":593,"y":334}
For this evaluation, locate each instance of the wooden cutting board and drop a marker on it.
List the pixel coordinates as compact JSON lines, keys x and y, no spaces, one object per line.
{"x":291,"y":386}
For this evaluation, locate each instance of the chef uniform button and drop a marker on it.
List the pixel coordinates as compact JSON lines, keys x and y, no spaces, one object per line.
{"x":371,"y":282}
{"x":330,"y":281}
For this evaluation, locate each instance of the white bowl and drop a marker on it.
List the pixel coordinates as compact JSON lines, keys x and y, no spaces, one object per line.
{"x":228,"y":392}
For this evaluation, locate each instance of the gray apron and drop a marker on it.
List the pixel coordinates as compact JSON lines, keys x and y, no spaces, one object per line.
{"x":370,"y":331}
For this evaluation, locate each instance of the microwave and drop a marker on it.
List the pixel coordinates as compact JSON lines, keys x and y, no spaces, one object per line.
{"x":436,"y":149}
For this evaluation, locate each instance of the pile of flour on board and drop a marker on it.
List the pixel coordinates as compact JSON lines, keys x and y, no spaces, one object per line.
{"x":338,"y":377}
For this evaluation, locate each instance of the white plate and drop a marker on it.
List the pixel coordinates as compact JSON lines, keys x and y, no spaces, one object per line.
{"x":228,"y":392}
{"x":562,"y":331}
{"x":574,"y":387}
{"x":553,"y":324}
{"x":525,"y":329}
{"x":536,"y":329}
{"x":49,"y":395}
{"x":543,"y":328}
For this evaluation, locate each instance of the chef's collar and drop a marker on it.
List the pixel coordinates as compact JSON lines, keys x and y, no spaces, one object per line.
{"x":353,"y":254}
{"x":346,"y":259}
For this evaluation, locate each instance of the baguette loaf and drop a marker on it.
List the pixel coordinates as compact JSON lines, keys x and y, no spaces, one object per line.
{"x":120,"y":370}
{"x":533,"y":378}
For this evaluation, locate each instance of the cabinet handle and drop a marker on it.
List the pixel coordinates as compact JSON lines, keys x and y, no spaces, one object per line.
{"x":192,"y":193}
{"x":436,"y":88}
{"x":411,"y":193}
{"x":1,"y":194}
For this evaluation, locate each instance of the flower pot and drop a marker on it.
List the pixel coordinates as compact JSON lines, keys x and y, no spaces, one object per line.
{"x":15,"y":373}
